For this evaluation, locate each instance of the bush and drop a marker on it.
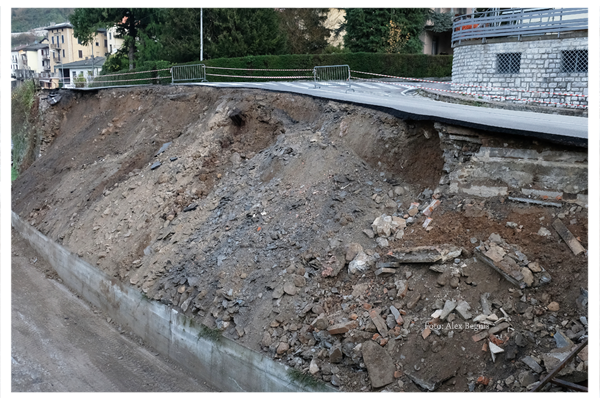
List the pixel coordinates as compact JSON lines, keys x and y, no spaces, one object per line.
{"x":80,"y":80}
{"x":402,"y":65}
{"x":23,"y":127}
{"x":146,"y":73}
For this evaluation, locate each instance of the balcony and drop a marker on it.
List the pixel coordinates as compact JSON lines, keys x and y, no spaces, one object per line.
{"x":518,"y":22}
{"x":55,"y":46}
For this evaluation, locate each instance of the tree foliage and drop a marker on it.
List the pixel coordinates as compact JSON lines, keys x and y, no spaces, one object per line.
{"x":242,"y":32}
{"x":397,"y":38}
{"x":368,"y":29}
{"x":227,"y":32}
{"x":304,"y":29}
{"x":180,"y":37}
{"x":137,"y":26}
{"x":442,"y":22}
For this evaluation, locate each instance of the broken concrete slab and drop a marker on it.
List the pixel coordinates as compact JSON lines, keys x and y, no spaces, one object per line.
{"x":359,"y":264}
{"x":531,"y":363}
{"x":434,"y":381}
{"x":352,"y":249}
{"x":499,"y":328}
{"x":485,"y":305}
{"x":568,"y":237}
{"x":495,"y":349}
{"x":163,"y":148}
{"x":562,"y":340}
{"x":378,"y":322}
{"x":538,"y":202}
{"x":510,"y":262}
{"x":449,"y":306}
{"x":379,"y":364}
{"x":479,"y":336}
{"x":342,"y":327}
{"x":462,"y":309}
{"x":426,"y":254}
{"x":385,"y":271}
{"x":439,"y":268}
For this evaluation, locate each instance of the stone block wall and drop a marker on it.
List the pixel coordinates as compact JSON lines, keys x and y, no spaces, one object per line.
{"x":485,"y":165}
{"x":540,"y":70}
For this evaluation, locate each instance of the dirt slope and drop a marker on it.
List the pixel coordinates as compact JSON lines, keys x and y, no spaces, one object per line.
{"x":255,"y":202}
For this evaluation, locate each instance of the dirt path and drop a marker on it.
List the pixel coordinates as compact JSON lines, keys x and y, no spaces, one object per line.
{"x":59,"y":343}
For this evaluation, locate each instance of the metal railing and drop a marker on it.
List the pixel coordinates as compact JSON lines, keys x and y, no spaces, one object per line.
{"x":188,"y":73}
{"x":518,"y":22}
{"x":332,"y":75}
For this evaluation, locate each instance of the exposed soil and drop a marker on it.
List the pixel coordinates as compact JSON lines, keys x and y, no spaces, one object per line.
{"x":259,"y":193}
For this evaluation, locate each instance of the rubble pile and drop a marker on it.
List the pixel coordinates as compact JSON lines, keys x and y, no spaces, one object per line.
{"x":511,"y":263}
{"x":315,"y":232}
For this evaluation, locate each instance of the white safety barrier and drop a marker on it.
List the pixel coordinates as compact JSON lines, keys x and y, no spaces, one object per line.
{"x":187,"y":73}
{"x":332,"y":75}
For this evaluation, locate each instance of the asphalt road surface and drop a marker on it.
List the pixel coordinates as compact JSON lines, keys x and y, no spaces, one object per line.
{"x":61,"y":344}
{"x":399,"y":96}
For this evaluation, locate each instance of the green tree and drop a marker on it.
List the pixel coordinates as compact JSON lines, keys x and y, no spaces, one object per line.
{"x":242,"y":32}
{"x":137,"y":26}
{"x":228,"y":32}
{"x":304,"y":29}
{"x":180,"y":38}
{"x":369,"y":29}
{"x":441,"y":22}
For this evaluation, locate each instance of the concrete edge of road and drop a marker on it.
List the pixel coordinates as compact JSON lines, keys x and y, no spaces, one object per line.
{"x":223,"y":363}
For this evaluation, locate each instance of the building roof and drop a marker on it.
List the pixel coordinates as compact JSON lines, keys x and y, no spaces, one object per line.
{"x":83,"y":64}
{"x":58,"y":26}
{"x":20,"y":47}
{"x":37,"y":46}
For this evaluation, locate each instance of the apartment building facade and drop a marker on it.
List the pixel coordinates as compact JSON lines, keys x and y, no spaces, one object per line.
{"x":65,"y":48}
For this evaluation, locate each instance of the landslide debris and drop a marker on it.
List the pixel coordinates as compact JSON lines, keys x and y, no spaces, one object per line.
{"x":312,"y":231}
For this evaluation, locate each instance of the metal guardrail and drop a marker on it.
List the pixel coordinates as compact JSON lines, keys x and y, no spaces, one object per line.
{"x":332,"y":75}
{"x":186,"y":73}
{"x":518,"y":22}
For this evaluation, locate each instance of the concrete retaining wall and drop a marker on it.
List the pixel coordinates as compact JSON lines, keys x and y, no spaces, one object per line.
{"x":225,"y":364}
{"x":540,"y":69}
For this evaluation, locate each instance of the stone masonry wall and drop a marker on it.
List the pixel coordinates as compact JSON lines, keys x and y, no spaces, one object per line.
{"x":484,"y":165}
{"x":541,"y":66}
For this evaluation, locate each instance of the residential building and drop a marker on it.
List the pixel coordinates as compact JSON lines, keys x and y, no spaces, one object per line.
{"x":87,"y":68}
{"x":65,"y":48}
{"x":335,"y":18}
{"x":17,"y":59}
{"x":114,"y":42}
{"x":435,"y":43}
{"x":38,"y":57}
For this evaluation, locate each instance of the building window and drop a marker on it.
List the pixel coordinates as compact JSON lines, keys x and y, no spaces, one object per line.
{"x":109,"y":35}
{"x":97,"y":44}
{"x":105,"y":43}
{"x":508,"y":63}
{"x":574,"y":61}
{"x":80,"y":53}
{"x":63,"y":38}
{"x":52,"y":39}
{"x":63,"y":53}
